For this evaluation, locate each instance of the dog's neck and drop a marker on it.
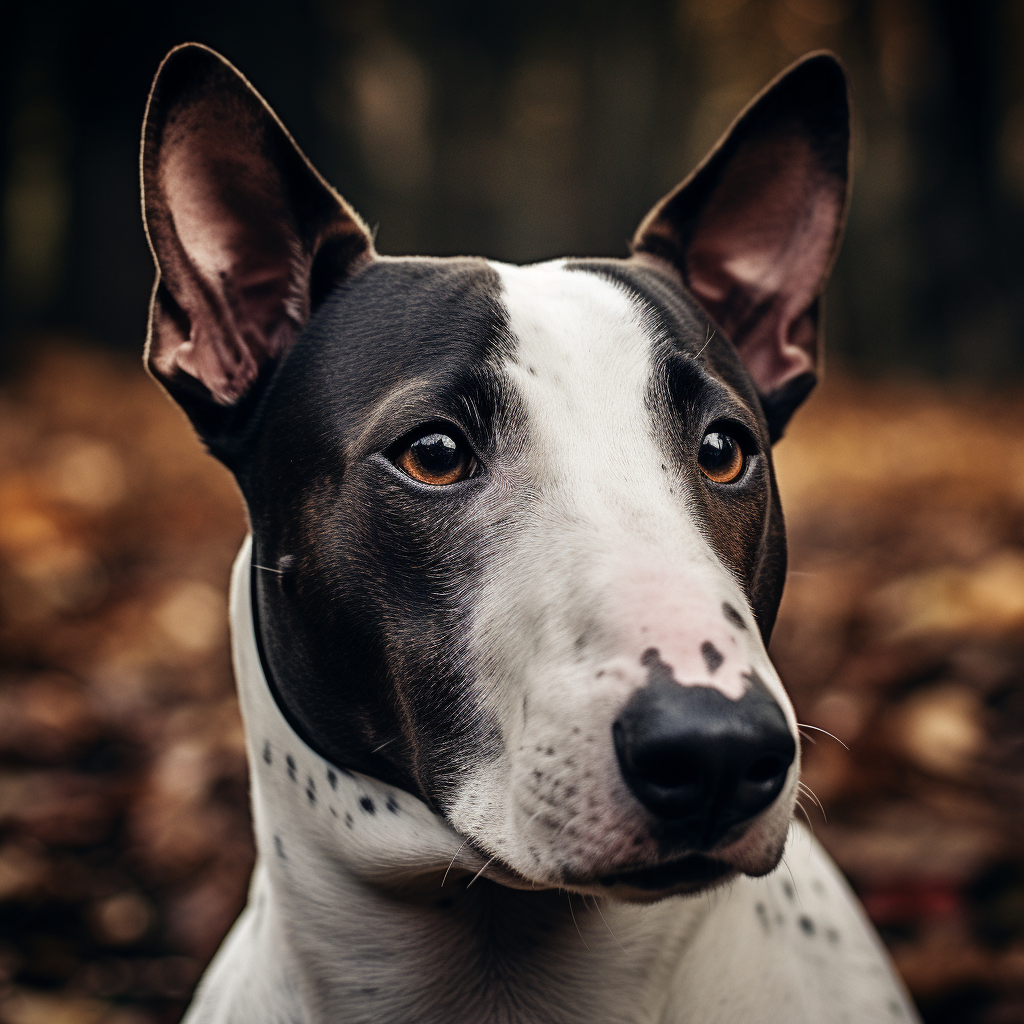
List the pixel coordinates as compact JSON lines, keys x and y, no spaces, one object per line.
{"x":368,"y":903}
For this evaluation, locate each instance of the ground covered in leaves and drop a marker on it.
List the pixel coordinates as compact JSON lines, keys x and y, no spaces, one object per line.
{"x":124,"y":837}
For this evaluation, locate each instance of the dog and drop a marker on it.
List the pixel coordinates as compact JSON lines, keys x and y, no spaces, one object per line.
{"x":517,"y":750}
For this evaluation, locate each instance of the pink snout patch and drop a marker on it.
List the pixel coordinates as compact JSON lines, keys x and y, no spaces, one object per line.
{"x":679,"y":637}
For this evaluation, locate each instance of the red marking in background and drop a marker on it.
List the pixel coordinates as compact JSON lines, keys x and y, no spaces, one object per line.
{"x":903,"y":902}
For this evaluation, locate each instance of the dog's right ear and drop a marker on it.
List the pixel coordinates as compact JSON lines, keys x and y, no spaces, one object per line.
{"x":246,"y":236}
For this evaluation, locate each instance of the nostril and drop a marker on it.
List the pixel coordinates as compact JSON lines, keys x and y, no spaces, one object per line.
{"x":766,"y":769}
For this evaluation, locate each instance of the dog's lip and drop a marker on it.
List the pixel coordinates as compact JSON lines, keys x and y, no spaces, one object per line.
{"x":692,"y":872}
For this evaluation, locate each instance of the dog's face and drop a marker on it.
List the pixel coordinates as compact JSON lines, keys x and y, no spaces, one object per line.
{"x":517,"y":540}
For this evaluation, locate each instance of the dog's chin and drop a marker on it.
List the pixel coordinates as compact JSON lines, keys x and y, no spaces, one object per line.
{"x":693,"y":873}
{"x":696,"y":872}
{"x":682,"y":876}
{"x":749,"y":851}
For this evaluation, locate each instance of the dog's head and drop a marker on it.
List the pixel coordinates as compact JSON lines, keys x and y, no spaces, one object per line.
{"x":518,"y":546}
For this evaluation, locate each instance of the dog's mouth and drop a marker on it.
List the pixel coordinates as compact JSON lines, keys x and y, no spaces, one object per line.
{"x":690,"y":873}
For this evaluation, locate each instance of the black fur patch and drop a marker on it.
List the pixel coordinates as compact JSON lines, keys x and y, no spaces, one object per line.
{"x":733,"y":616}
{"x":364,"y":638}
{"x":712,"y":656}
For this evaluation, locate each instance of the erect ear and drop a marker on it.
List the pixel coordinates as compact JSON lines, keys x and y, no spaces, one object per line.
{"x":754,"y":230}
{"x":246,"y":237}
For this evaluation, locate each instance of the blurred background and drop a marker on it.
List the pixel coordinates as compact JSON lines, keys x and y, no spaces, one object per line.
{"x":518,"y":131}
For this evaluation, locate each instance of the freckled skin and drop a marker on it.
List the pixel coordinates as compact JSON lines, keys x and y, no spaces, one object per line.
{"x":713,"y":657}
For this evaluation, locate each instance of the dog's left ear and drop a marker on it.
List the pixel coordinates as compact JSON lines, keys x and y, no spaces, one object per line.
{"x":755,"y":229}
{"x":246,"y":236}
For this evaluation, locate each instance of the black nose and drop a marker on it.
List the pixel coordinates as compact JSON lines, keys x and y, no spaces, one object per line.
{"x":701,"y":761}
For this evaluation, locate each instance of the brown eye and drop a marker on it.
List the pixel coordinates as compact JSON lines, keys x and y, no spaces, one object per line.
{"x":720,"y":457}
{"x":437,"y":458}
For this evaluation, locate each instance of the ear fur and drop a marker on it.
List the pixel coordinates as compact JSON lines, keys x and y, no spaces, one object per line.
{"x":236,"y":217}
{"x":754,"y":230}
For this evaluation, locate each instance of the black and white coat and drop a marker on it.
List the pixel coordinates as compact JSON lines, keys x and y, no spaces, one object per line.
{"x":446,"y":670}
{"x":363,"y":909}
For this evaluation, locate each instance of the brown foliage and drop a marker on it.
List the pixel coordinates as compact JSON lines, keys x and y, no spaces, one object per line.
{"x":124,"y":839}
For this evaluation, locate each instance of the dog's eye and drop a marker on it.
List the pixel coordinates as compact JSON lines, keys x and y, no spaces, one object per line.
{"x":720,"y":457}
{"x":437,"y":458}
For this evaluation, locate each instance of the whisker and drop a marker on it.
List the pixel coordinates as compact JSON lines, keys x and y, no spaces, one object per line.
{"x":572,"y":914}
{"x":597,"y":907}
{"x":266,"y":568}
{"x":810,"y":739}
{"x":804,"y":725}
{"x":481,"y":871}
{"x":804,"y":788}
{"x":383,"y":745}
{"x":807,"y":817}
{"x":793,"y":880}
{"x":457,"y":852}
{"x":707,"y":340}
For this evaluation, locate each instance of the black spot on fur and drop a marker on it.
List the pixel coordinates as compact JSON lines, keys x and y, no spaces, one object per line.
{"x":367,"y":805}
{"x":754,"y":681}
{"x":311,"y":790}
{"x":733,"y":616}
{"x":832,"y":935}
{"x":332,"y":778}
{"x":713,"y":657}
{"x":334,"y":813}
{"x":762,"y":916}
{"x":268,"y":758}
{"x":787,"y":888}
{"x":290,"y":761}
{"x":348,"y":819}
{"x":392,"y":805}
{"x":806,"y":925}
{"x":279,"y":847}
{"x":657,"y":670}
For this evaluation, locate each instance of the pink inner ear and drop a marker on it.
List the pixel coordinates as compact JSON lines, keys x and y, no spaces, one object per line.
{"x":760,"y":251}
{"x":241,"y":247}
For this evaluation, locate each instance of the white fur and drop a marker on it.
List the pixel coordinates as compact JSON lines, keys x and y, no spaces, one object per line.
{"x":344,"y":926}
